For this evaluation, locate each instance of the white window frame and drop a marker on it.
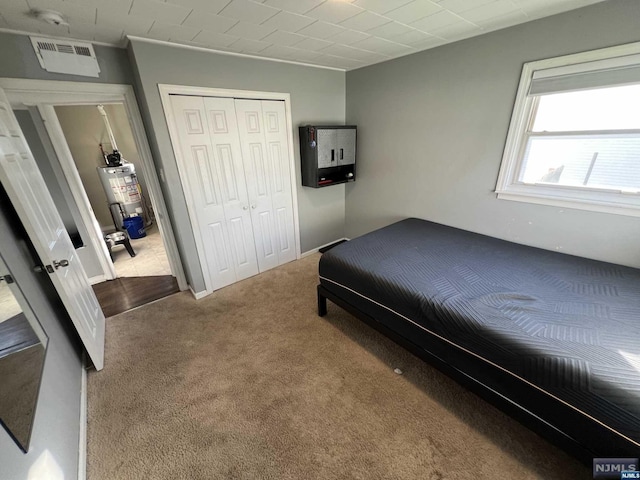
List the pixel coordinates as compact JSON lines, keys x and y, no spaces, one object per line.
{"x":509,"y":187}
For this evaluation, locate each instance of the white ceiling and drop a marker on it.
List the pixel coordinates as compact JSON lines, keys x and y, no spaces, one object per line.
{"x":344,"y":34}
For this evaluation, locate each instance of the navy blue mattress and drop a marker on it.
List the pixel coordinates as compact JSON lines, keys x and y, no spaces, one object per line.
{"x":566,"y":327}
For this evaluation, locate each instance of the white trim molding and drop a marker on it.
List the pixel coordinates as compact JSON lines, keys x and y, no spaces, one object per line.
{"x":232,"y":54}
{"x":199,"y":295}
{"x":82,"y":437}
{"x":509,"y":185}
{"x":98,"y":279}
{"x":317,"y":249}
{"x":165,"y":92}
{"x":47,"y":93}
{"x":80,"y":198}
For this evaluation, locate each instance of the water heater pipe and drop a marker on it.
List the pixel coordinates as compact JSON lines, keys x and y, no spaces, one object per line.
{"x":112,"y":139}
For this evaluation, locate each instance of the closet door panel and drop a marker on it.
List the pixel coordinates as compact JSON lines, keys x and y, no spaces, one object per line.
{"x":257,"y":168}
{"x":223,"y":131}
{"x":199,"y":174}
{"x":277,"y":141}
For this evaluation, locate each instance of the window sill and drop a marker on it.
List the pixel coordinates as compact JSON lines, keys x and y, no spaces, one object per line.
{"x":601,"y":202}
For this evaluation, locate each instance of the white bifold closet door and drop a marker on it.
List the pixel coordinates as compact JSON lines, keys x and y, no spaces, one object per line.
{"x":235,"y":157}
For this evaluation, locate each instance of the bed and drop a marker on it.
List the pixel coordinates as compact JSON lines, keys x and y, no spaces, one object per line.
{"x":552,"y":339}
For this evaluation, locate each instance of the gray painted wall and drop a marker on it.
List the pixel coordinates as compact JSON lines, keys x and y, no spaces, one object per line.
{"x":18,"y":60}
{"x":432,"y":129}
{"x":53,"y":452}
{"x":317,"y":96}
{"x":57,"y":424}
{"x":84,"y":129}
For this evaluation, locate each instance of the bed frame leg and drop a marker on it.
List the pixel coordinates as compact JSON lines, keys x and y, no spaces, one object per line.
{"x":322,"y":304}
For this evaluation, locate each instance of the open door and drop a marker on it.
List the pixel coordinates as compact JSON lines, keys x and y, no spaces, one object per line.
{"x":27,"y":190}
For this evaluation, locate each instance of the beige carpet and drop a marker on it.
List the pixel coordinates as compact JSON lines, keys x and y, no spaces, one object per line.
{"x":249,"y":383}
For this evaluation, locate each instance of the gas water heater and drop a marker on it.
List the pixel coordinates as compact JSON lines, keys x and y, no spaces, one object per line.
{"x":120,"y":183}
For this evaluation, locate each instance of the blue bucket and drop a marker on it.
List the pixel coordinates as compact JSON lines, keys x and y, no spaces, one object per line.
{"x":134,"y":227}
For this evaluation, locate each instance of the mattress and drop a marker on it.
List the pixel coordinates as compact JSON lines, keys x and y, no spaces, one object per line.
{"x":566,"y":326}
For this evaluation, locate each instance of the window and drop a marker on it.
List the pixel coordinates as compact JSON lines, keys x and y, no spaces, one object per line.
{"x":574,"y":137}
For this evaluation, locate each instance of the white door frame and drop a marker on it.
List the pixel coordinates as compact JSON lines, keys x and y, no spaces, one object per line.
{"x":165,"y":91}
{"x":45,"y":94}
{"x":79,"y":193}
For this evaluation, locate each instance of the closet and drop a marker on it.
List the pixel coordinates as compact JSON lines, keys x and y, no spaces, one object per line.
{"x":235,"y":169}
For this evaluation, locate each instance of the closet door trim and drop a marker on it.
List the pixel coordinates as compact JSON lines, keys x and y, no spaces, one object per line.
{"x":166,"y":90}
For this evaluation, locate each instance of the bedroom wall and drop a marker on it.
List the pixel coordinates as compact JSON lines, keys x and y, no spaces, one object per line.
{"x":53,"y":453}
{"x":84,"y":129}
{"x":54,"y":450}
{"x":18,"y":60}
{"x":317,"y":96}
{"x":432,"y":129}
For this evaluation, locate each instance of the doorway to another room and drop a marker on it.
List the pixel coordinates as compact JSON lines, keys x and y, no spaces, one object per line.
{"x":104,"y":153}
{"x":102,"y":166}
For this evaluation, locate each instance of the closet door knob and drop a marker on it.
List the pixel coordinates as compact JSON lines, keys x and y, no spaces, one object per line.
{"x":245,"y":208}
{"x":253,"y":206}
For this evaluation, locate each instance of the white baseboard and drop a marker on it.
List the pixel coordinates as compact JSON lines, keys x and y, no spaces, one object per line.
{"x":97,"y":279}
{"x":316,"y":250}
{"x":198,"y":295}
{"x":204,"y":293}
{"x":82,"y":441}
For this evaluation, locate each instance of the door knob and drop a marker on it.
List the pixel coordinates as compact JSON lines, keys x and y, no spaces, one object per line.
{"x":62,"y":263}
{"x":245,"y":208}
{"x":253,"y":206}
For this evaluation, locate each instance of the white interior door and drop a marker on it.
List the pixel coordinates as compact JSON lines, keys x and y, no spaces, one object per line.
{"x":211,"y":170}
{"x":200,"y":179}
{"x":258,"y":172}
{"x":277,"y":138}
{"x":223,"y":129}
{"x":25,"y":186}
{"x":234,"y":158}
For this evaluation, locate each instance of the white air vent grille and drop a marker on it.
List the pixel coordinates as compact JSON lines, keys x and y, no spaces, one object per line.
{"x":64,"y":48}
{"x":80,"y":50}
{"x":47,"y":46}
{"x":73,"y":58}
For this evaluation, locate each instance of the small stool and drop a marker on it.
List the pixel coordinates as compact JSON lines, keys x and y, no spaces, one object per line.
{"x":118,"y":238}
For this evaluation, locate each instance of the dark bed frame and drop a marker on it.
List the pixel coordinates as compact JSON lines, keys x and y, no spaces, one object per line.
{"x":561,"y":425}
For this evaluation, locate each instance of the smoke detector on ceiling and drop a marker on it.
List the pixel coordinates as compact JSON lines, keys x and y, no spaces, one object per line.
{"x":49,"y":16}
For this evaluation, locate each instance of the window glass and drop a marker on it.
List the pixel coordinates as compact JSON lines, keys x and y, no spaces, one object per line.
{"x":614,"y":108}
{"x":596,"y":161}
{"x":574,"y":137}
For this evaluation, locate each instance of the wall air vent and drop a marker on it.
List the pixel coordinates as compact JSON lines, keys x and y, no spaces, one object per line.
{"x":62,"y":56}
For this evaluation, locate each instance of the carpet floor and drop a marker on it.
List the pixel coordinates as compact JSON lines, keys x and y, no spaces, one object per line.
{"x":248,"y":383}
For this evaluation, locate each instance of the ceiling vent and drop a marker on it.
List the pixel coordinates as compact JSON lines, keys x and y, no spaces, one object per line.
{"x":62,"y":56}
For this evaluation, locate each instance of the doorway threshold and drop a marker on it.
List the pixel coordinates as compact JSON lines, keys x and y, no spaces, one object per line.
{"x":125,"y":293}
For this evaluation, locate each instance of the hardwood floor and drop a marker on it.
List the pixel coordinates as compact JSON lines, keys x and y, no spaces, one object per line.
{"x":16,"y":334}
{"x":122,"y":294}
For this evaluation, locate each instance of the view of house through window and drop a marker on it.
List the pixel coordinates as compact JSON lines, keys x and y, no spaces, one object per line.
{"x":574,"y":136}
{"x":586,"y":138}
